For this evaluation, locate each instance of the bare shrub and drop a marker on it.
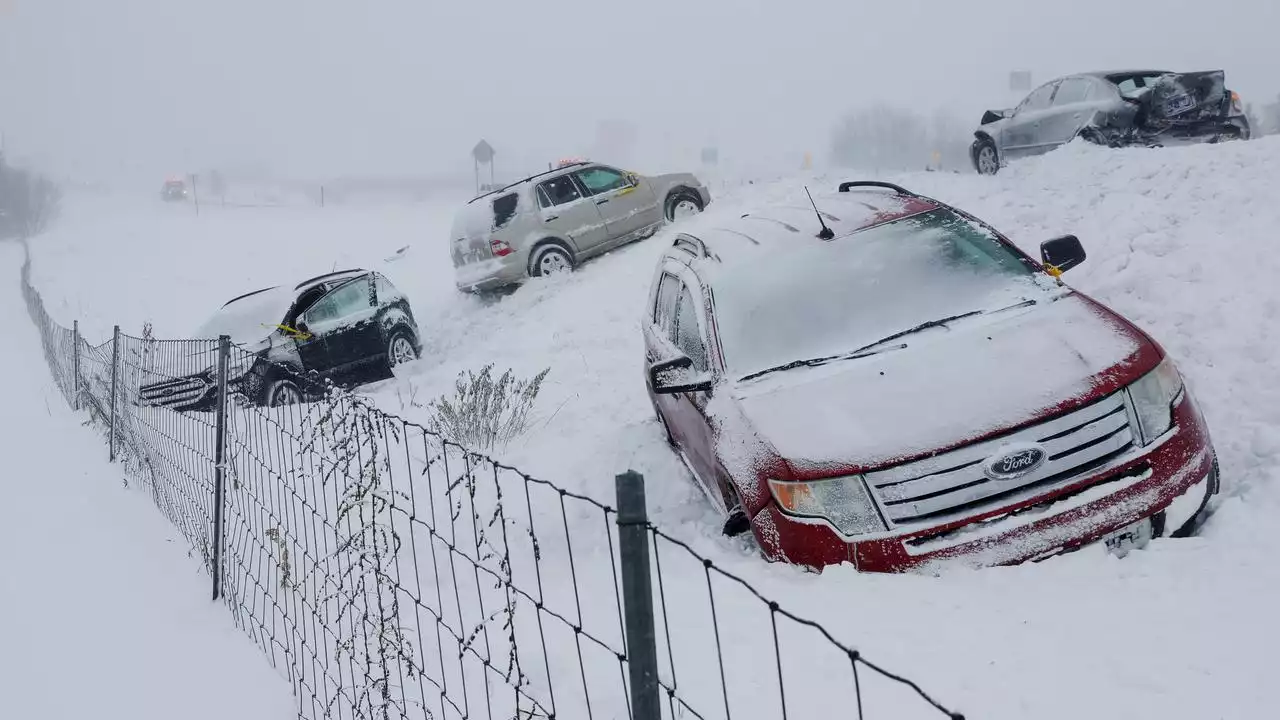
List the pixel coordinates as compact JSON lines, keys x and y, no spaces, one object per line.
{"x":484,"y":413}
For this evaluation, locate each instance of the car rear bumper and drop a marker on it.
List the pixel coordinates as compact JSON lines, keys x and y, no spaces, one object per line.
{"x":489,"y":274}
{"x":1176,"y":471}
{"x":1198,"y":132}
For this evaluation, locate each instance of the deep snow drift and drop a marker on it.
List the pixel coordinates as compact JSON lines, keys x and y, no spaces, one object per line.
{"x":103,"y":612}
{"x":1178,"y":242}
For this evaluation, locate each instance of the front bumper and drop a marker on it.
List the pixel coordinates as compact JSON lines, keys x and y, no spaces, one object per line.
{"x":1135,"y":486}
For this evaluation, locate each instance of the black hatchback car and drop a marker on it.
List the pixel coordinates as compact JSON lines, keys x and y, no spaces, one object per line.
{"x":349,"y":327}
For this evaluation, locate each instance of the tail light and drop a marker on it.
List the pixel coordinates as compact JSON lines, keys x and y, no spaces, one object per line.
{"x":1237,"y":108}
{"x":500,"y":248}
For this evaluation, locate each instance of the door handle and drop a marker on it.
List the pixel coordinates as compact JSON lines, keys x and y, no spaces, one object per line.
{"x":601,"y":202}
{"x":549,"y":218}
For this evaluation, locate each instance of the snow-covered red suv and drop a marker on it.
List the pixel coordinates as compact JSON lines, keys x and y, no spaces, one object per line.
{"x":888,"y":381}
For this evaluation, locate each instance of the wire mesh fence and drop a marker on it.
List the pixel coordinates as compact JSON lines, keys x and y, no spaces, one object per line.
{"x":387,"y":572}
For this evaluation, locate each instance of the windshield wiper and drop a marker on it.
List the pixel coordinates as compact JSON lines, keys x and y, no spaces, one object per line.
{"x":864,"y":351}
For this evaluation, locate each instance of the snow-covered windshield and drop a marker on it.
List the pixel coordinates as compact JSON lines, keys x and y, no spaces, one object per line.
{"x":250,"y":318}
{"x":820,"y":299}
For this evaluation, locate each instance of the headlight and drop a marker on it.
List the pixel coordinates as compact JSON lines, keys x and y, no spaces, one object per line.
{"x":844,"y":502}
{"x":1153,"y":397}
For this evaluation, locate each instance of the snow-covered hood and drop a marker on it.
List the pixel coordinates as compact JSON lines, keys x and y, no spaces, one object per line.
{"x":945,"y":388}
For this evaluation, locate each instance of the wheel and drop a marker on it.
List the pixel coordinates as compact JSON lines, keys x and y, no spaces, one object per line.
{"x":1093,"y":135}
{"x":736,"y":522}
{"x":550,"y":260}
{"x":400,"y":349}
{"x":985,"y":158}
{"x":682,"y":205}
{"x":281,"y":392}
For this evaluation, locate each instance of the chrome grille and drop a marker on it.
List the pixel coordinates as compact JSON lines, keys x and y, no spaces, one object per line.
{"x":176,"y":392}
{"x":955,"y":482}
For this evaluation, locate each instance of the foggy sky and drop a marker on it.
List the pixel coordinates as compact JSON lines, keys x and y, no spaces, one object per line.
{"x":324,"y":87}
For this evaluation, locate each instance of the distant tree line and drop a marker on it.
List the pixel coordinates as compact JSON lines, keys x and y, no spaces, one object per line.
{"x":28,"y":201}
{"x":885,"y":138}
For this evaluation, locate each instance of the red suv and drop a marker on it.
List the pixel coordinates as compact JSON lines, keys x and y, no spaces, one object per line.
{"x":878,"y":378}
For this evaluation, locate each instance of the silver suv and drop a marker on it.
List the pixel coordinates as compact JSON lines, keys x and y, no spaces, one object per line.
{"x":553,"y":221}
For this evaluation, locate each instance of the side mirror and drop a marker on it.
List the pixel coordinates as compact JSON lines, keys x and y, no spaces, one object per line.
{"x":301,"y":331}
{"x":677,"y":375}
{"x":633,"y":179}
{"x":1061,"y":254}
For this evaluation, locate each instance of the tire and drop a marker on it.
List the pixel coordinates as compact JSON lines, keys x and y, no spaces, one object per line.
{"x":682,"y":204}
{"x":986,"y":159}
{"x":281,"y":392}
{"x":400,"y":349}
{"x":550,"y":259}
{"x":1093,"y":135}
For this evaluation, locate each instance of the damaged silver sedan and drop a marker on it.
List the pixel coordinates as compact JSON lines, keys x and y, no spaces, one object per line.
{"x":1147,"y":108}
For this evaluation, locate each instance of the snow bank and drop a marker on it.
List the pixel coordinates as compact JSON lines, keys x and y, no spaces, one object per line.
{"x":104,"y":612}
{"x":1178,"y":242}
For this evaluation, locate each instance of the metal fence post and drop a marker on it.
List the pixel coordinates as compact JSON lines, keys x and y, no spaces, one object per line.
{"x":637,"y":596}
{"x":115,"y":373}
{"x":75,"y":364}
{"x":220,"y":462}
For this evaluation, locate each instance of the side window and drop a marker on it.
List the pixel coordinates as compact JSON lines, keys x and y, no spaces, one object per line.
{"x":558,"y":191}
{"x":1039,"y":99}
{"x":348,"y":299}
{"x":689,"y":332}
{"x":600,"y":180}
{"x":1072,"y":90}
{"x":504,"y":208}
{"x":664,"y":312}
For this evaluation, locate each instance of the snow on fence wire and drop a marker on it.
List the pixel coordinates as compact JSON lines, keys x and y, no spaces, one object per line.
{"x":390,"y":573}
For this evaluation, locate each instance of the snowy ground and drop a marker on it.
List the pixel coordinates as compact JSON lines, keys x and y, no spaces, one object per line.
{"x":102,"y":612}
{"x":1178,"y":241}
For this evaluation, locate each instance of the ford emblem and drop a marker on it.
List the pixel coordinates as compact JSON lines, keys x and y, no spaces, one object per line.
{"x":1014,"y":461}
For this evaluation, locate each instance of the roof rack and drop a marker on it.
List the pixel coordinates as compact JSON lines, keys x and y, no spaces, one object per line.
{"x":844,"y":186}
{"x":531,"y":177}
{"x":317,"y":278}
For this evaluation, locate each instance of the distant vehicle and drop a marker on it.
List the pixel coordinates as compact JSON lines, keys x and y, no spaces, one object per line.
{"x":1135,"y":107}
{"x":348,"y":326}
{"x":553,"y":221}
{"x":901,"y":386}
{"x":174,"y":190}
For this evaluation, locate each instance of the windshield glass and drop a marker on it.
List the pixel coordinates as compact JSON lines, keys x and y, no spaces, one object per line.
{"x":826,"y":298}
{"x":249,"y":319}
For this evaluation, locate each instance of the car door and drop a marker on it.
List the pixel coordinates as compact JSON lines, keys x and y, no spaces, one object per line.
{"x":568,"y":213}
{"x":698,"y":439}
{"x":659,"y":331}
{"x":1074,"y":104}
{"x":345,"y":320}
{"x":1024,"y":133}
{"x":627,"y":206}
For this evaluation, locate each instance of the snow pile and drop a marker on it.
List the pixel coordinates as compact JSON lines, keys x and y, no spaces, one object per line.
{"x":1178,"y":243}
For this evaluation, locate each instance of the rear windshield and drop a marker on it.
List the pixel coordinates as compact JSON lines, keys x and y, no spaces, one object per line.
{"x":1133,"y":85}
{"x":504,"y":208}
{"x":827,"y":298}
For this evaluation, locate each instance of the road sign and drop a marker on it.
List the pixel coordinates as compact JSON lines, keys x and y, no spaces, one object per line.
{"x":483,"y":152}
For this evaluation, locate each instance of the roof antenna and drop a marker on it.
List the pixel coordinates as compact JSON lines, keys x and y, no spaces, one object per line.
{"x":826,"y":233}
